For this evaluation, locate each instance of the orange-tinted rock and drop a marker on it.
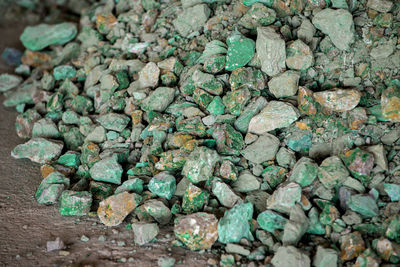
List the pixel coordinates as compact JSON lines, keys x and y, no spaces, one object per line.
{"x":338,"y":100}
{"x":352,"y":245}
{"x":113,"y":210}
{"x":306,"y":102}
{"x":36,"y":59}
{"x":357,"y":117}
{"x":390,"y":102}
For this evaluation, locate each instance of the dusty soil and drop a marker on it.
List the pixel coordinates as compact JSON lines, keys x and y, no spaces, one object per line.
{"x":26,"y":226}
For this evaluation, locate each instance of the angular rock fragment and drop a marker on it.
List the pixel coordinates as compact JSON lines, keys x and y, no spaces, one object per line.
{"x":192,"y":19}
{"x":290,"y":256}
{"x":263,"y":149}
{"x":284,"y":84}
{"x":113,"y":210}
{"x":338,"y":100}
{"x":284,"y":198}
{"x":271,"y":51}
{"x":163,"y":185}
{"x":38,"y":150}
{"x":75,"y":203}
{"x":200,"y":164}
{"x":144,"y":232}
{"x":107,"y":170}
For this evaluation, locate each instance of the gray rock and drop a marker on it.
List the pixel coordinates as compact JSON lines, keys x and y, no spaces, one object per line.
{"x":200,"y":164}
{"x":284,"y":84}
{"x":380,"y":5}
{"x":107,"y":170}
{"x":98,"y":135}
{"x":246,"y":182}
{"x":148,"y":76}
{"x":275,"y":115}
{"x":225,"y":194}
{"x":38,"y":150}
{"x":332,"y":172}
{"x":306,"y":31}
{"x":192,"y":19}
{"x":338,"y":25}
{"x":296,"y":227}
{"x":263,"y":149}
{"x":254,"y":106}
{"x":9,"y":81}
{"x":144,"y":232}
{"x":271,"y":50}
{"x":159,"y":99}
{"x":284,"y":198}
{"x":285,"y":157}
{"x":55,"y":245}
{"x":289,"y":257}
{"x":236,"y":249}
{"x":325,"y":257}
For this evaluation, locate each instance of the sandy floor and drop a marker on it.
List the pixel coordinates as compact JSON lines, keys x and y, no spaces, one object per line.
{"x":26,"y":226}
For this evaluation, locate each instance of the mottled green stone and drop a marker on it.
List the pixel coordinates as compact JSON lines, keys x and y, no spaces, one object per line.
{"x":393,"y":191}
{"x":51,"y":188}
{"x":193,"y":125}
{"x":114,"y":121}
{"x":107,"y":170}
{"x":236,"y":100}
{"x":364,"y":205}
{"x":75,"y":203}
{"x":73,"y":138}
{"x":304,"y":172}
{"x":132,"y":185}
{"x":82,"y":104}
{"x":9,"y":81}
{"x":240,"y":51}
{"x":64,"y":72}
{"x":194,"y":199}
{"x":70,"y":159}
{"x":229,"y":141}
{"x":38,"y":150}
{"x":163,"y":185}
{"x":271,"y":221}
{"x":200,"y":164}
{"x":235,"y":224}
{"x":40,"y":36}
{"x":216,"y":106}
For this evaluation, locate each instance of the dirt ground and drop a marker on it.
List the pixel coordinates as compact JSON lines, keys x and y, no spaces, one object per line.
{"x":26,"y":226}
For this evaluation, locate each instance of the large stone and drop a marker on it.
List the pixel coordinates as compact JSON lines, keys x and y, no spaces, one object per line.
{"x":38,"y":150}
{"x":75,"y":203}
{"x":144,"y":232}
{"x":364,"y":205}
{"x":325,"y":257}
{"x":271,"y":221}
{"x":235,"y":224}
{"x":200,"y":164}
{"x":225,"y":194}
{"x":304,"y":172}
{"x":113,"y":210}
{"x":149,"y":75}
{"x":332,"y":172}
{"x":246,"y":182}
{"x":197,"y":231}
{"x":159,"y":99}
{"x":296,"y":227}
{"x":114,"y":121}
{"x":192,"y":19}
{"x":290,"y":256}
{"x":299,"y":56}
{"x":107,"y":170}
{"x":284,"y":198}
{"x":275,"y":115}
{"x":338,"y":100}
{"x":254,"y":107}
{"x":271,"y":50}
{"x":163,"y":185}
{"x":284,"y":84}
{"x":390,"y":102}
{"x":9,"y":81}
{"x":338,"y":25}
{"x":240,"y":51}
{"x":40,"y":36}
{"x":264,"y":149}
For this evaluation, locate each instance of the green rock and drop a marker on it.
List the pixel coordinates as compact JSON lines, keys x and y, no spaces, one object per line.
{"x":304,"y":172}
{"x":207,"y":82}
{"x":315,"y":227}
{"x":114,"y":121}
{"x":38,"y":150}
{"x":202,"y":98}
{"x":40,"y":36}
{"x":393,"y":229}
{"x":274,"y":175}
{"x":229,"y":141}
{"x":332,"y":173}
{"x":290,"y":256}
{"x":299,"y":140}
{"x":154,"y":209}
{"x":235,"y":224}
{"x":364,"y":205}
{"x":166,"y":262}
{"x":45,"y":128}
{"x":70,"y":159}
{"x":70,"y":117}
{"x":51,"y":187}
{"x":257,"y":16}
{"x":249,"y":77}
{"x":73,"y":138}
{"x":64,"y":72}
{"x":82,"y":105}
{"x":24,"y":123}
{"x":271,"y":221}
{"x":194,"y":199}
{"x":144,"y":232}
{"x":254,"y":107}
{"x":275,"y":115}
{"x":163,"y":185}
{"x":360,"y":163}
{"x":214,"y":63}
{"x":9,"y":81}
{"x":263,"y":149}
{"x":192,"y":19}
{"x":216,"y":106}
{"x":268,"y":3}
{"x":159,"y":99}
{"x":393,"y":191}
{"x":235,"y":101}
{"x":285,"y":158}
{"x":325,"y":257}
{"x":240,"y":51}
{"x":23,"y":95}
{"x":75,"y":203}
{"x":193,"y":126}
{"x":337,"y":24}
{"x":271,"y":50}
{"x":97,"y":135}
{"x":132,"y":185}
{"x":107,"y":170}
{"x":284,"y":198}
{"x":213,"y":48}
{"x":225,"y":194}
{"x":200,"y":164}
{"x":284,"y":84}
{"x":100,"y":191}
